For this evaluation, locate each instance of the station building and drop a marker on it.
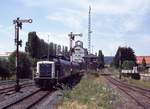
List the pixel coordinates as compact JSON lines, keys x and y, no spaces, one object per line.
{"x":140,"y":58}
{"x":5,"y":55}
{"x":79,"y":52}
{"x":91,"y":61}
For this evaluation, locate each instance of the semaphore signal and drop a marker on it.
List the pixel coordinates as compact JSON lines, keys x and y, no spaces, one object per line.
{"x":18,"y":25}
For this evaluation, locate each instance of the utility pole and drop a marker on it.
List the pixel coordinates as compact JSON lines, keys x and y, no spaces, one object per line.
{"x":18,"y":25}
{"x":48,"y":48}
{"x":120,"y":66}
{"x":72,"y":38}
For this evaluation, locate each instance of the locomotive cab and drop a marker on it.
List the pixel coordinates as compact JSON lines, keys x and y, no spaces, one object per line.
{"x":45,"y":69}
{"x":45,"y":73}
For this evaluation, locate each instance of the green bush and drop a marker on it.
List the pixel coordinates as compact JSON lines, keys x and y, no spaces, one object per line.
{"x":128,"y":65}
{"x":24,"y":65}
{"x":4,"y":69}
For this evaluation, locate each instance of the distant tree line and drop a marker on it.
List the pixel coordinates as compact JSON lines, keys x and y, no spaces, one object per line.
{"x":37,"y":48}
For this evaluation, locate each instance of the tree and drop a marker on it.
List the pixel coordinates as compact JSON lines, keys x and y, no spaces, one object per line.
{"x":51,"y":48}
{"x":123,"y":54}
{"x":66,"y":52}
{"x":54,"y":49}
{"x":144,"y":63}
{"x":24,"y":65}
{"x":37,"y":48}
{"x":128,"y":65}
{"x":4,"y":69}
{"x":100,"y":59}
{"x":63,"y":50}
{"x":32,"y":46}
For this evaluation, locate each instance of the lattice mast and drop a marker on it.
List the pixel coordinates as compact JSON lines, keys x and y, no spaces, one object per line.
{"x":89,"y":31}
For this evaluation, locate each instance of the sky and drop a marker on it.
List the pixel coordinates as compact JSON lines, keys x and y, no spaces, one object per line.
{"x":114,"y":23}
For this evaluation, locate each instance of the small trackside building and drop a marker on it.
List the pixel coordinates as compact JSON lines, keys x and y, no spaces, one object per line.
{"x":91,"y":61}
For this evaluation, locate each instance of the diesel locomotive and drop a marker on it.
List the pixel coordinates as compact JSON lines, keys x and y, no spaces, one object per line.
{"x":54,"y":71}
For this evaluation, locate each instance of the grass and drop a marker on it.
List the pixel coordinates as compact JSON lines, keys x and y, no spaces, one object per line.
{"x":90,"y":93}
{"x":140,"y":83}
{"x":13,"y":77}
{"x":113,"y":70}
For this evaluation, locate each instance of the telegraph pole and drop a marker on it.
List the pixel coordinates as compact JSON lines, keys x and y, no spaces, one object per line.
{"x":72,"y":38}
{"x":120,"y":66}
{"x":18,"y":25}
{"x":48,"y":47}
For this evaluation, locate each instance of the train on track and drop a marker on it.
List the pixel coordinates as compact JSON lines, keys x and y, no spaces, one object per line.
{"x":49,"y":73}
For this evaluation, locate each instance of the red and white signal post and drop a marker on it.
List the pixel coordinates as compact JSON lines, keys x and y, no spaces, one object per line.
{"x":18,"y":25}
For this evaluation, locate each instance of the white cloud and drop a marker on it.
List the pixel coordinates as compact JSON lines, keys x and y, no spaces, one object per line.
{"x":131,"y":24}
{"x":1,"y":26}
{"x":120,"y":7}
{"x":69,"y":18}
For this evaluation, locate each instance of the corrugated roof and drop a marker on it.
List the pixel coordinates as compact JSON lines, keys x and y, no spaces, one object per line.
{"x":140,"y":58}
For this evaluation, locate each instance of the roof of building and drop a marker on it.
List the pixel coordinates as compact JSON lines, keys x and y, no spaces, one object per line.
{"x":140,"y":58}
{"x":79,"y":43}
{"x":5,"y":54}
{"x":90,"y":56}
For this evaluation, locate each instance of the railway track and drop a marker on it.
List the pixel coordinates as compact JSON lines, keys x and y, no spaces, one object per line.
{"x":139,"y":95}
{"x":7,"y":82}
{"x":11,"y":82}
{"x":143,"y":91}
{"x":12,"y":88}
{"x":9,"y":102}
{"x":28,"y":101}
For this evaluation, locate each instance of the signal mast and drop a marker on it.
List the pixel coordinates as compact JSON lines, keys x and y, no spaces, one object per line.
{"x":18,"y":25}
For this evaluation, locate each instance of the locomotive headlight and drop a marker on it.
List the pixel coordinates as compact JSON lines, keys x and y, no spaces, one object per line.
{"x":37,"y":74}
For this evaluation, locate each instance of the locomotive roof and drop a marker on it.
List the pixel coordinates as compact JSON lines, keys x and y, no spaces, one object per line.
{"x":51,"y":57}
{"x":39,"y":62}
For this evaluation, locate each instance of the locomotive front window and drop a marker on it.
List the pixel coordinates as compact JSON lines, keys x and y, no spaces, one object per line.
{"x":45,"y":69}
